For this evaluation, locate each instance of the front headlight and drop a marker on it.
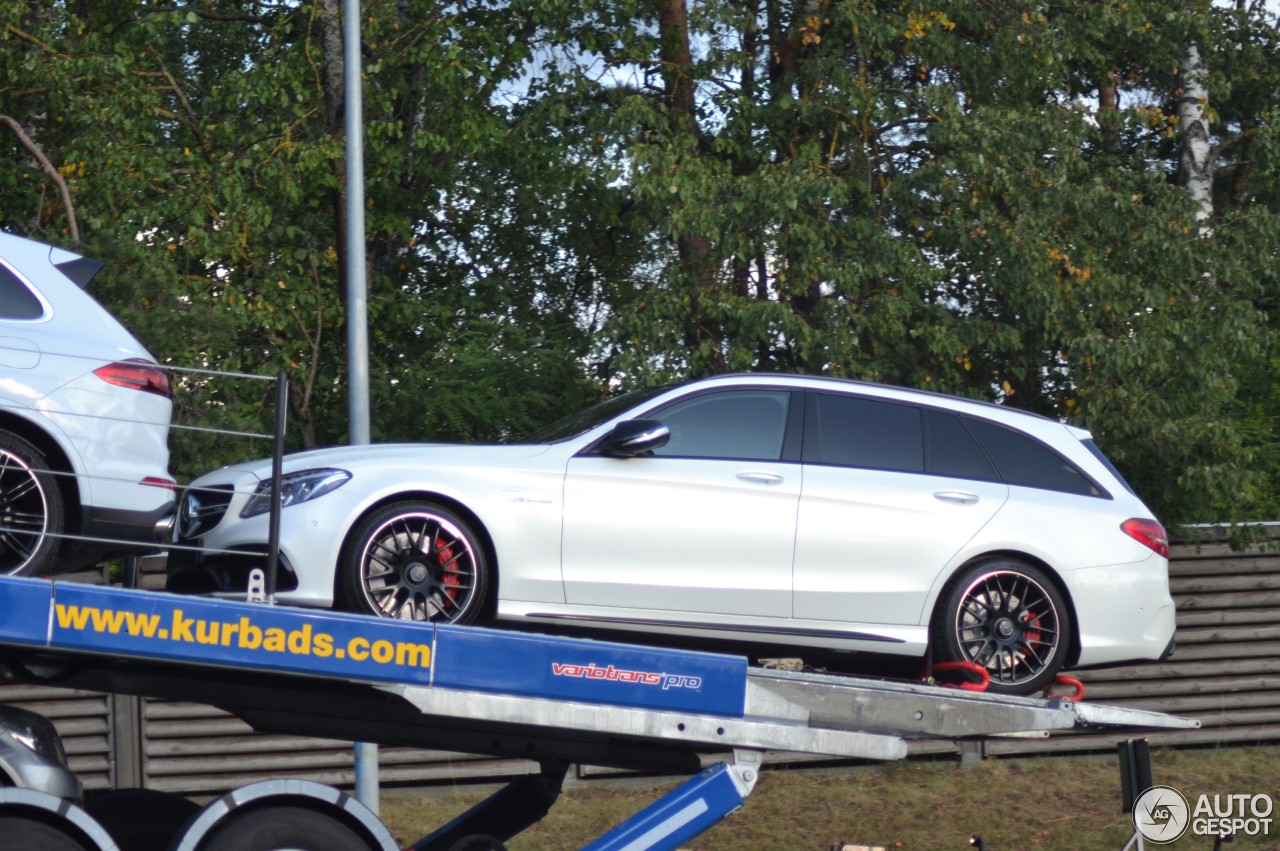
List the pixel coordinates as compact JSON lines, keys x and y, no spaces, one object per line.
{"x":33,"y":731}
{"x":295,"y":488}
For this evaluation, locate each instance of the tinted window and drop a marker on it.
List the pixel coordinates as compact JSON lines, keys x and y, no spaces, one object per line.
{"x":855,"y":432}
{"x":951,"y":450}
{"x":1023,"y":461}
{"x":16,"y":301}
{"x":748,"y":424}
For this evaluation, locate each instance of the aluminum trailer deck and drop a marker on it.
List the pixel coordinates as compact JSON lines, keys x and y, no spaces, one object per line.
{"x":553,"y":700}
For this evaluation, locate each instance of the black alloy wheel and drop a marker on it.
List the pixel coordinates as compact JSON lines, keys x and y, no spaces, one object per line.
{"x":32,"y":515}
{"x":1010,"y":618}
{"x":414,"y":561}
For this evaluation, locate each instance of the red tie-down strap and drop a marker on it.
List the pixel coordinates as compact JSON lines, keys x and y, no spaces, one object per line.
{"x":1064,"y":681}
{"x":976,"y":677}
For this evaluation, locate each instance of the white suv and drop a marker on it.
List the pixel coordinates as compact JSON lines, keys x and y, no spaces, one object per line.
{"x":84,"y":419}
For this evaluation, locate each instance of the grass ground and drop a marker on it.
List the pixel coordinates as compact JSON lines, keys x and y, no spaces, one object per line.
{"x":1041,"y":803}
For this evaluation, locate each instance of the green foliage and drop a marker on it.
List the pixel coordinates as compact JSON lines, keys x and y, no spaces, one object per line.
{"x":565,"y":198}
{"x":205,"y":153}
{"x":929,"y":194}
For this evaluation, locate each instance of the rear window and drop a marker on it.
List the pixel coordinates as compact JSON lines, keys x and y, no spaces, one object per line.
{"x":851,"y":431}
{"x":1024,"y":461}
{"x":16,"y":299}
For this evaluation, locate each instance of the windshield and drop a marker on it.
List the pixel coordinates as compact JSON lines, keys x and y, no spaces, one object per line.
{"x":588,"y":418}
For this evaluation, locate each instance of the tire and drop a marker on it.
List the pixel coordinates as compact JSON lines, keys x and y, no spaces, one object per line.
{"x":141,"y":819}
{"x":416,"y":561}
{"x":1009,"y":617}
{"x":32,"y":515}
{"x":283,"y":828}
{"x":20,"y":833}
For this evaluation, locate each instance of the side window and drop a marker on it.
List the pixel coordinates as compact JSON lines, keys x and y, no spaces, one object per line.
{"x":16,"y":301}
{"x":950,"y":450}
{"x":854,"y":432}
{"x":1024,"y":461}
{"x":741,"y":424}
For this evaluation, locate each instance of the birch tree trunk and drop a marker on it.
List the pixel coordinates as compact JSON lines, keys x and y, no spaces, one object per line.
{"x":1196,"y":157}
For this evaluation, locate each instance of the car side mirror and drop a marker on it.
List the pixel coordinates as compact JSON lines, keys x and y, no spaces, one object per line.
{"x":634,"y":437}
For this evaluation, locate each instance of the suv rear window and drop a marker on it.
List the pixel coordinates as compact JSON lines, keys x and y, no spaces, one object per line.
{"x":16,"y":300}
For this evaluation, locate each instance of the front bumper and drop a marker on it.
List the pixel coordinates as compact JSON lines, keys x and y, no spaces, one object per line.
{"x":194,"y":571}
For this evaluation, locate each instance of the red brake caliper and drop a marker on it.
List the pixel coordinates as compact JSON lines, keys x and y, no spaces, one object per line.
{"x":1031,"y":632}
{"x":444,"y":555}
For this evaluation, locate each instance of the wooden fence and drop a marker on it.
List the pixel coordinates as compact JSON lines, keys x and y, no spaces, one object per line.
{"x":1226,"y":673}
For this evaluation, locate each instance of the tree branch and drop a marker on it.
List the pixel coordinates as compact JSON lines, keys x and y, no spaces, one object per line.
{"x":54,"y":175}
{"x":207,"y":14}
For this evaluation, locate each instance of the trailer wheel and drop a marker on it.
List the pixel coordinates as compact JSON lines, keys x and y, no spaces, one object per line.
{"x":283,"y":827}
{"x":28,"y":834}
{"x":141,"y":819}
{"x":414,"y":561}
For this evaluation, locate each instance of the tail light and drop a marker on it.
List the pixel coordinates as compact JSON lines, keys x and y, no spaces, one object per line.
{"x":1149,"y":533}
{"x":137,"y":374}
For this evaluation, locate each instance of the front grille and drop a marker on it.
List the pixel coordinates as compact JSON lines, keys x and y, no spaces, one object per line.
{"x":200,"y":509}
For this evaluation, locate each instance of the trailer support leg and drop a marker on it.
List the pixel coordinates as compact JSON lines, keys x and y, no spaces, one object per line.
{"x":504,"y":814}
{"x":688,"y":810}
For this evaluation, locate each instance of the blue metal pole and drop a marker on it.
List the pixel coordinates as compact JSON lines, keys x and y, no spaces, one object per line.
{"x":680,"y":815}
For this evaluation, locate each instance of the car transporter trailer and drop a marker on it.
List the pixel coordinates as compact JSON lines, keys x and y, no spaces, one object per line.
{"x":553,"y":700}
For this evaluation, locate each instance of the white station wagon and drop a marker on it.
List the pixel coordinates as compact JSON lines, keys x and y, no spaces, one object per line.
{"x":801,"y":512}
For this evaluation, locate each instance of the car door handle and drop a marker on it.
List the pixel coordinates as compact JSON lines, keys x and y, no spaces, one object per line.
{"x":760,"y":478}
{"x":959,"y":497}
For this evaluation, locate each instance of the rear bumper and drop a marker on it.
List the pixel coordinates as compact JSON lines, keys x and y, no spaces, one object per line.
{"x":122,"y":531}
{"x":1125,"y":612}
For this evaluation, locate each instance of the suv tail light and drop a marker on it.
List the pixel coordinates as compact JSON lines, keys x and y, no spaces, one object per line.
{"x":137,"y":374}
{"x":1149,"y":533}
